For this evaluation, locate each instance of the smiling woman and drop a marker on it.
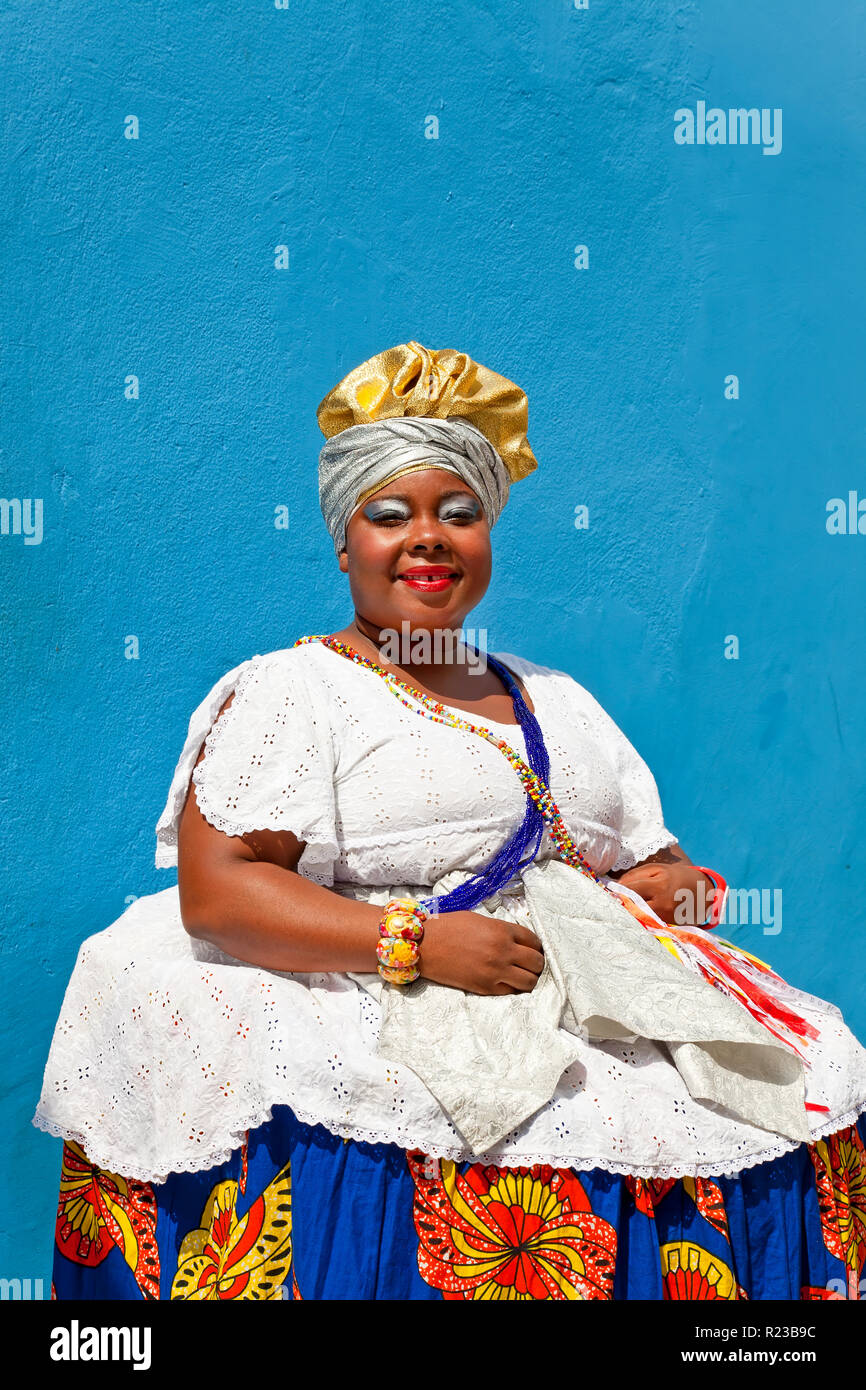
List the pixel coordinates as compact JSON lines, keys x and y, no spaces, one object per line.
{"x":424,"y":1017}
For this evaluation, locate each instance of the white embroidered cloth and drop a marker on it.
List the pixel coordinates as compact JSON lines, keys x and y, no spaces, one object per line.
{"x":166,"y":1051}
{"x":493,"y":1061}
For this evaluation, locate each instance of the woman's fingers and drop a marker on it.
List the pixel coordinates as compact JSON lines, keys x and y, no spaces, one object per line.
{"x":527,"y":958}
{"x":524,"y":937}
{"x":522,"y":981}
{"x":517,"y":981}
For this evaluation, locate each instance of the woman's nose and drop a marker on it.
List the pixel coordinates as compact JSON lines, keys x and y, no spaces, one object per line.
{"x":427,"y":533}
{"x":427,"y":543}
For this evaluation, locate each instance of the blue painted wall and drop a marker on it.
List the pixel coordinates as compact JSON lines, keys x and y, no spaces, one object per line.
{"x":307,"y":127}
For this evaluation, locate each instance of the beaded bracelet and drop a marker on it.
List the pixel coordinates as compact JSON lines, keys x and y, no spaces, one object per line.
{"x":401,"y":932}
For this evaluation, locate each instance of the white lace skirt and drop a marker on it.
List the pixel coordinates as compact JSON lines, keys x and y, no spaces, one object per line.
{"x":167,"y":1052}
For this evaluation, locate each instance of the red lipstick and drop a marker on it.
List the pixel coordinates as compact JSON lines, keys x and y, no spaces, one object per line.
{"x":429,"y":579}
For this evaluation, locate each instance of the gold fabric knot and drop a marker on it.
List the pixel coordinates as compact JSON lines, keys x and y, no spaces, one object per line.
{"x":413,"y":380}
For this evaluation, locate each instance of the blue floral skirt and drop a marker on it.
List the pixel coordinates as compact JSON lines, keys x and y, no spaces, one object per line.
{"x":298,"y":1213}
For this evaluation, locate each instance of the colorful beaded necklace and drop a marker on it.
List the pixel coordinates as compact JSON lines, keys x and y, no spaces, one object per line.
{"x":435,"y":710}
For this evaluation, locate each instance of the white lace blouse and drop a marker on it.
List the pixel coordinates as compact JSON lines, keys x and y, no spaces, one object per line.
{"x":167,"y":1051}
{"x":319,"y":746}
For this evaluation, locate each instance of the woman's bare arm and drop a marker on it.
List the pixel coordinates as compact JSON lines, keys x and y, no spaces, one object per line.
{"x":245,"y":895}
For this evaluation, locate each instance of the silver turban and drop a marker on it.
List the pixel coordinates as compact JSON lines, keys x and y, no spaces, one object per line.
{"x":360,"y":459}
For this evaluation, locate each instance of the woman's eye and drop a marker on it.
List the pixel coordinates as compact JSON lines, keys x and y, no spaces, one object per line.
{"x":389,"y":516}
{"x":459,"y":514}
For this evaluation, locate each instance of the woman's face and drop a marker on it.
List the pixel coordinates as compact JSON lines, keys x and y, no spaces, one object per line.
{"x":418,"y":550}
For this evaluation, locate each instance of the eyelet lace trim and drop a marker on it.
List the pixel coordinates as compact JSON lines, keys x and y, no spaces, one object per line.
{"x":628,"y":858}
{"x":220,"y":1149}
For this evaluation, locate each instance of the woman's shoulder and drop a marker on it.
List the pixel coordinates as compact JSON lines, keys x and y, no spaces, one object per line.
{"x":291,"y":660}
{"x":560,"y":687}
{"x":547,"y":675}
{"x":260,"y":679}
{"x":525,"y":667}
{"x":293,"y":656}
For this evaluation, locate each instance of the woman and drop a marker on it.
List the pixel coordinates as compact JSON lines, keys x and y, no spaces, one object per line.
{"x":431,"y":1012}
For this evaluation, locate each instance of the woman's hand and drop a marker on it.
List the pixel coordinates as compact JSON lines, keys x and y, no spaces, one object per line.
{"x":483,"y":955}
{"x":678,"y":893}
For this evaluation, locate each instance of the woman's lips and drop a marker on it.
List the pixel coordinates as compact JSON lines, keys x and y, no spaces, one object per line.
{"x":430,"y":581}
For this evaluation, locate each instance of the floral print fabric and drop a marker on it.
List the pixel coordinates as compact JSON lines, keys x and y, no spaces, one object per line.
{"x":299,"y":1213}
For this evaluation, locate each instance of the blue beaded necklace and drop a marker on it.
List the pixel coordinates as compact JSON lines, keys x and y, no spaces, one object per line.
{"x":521,"y":849}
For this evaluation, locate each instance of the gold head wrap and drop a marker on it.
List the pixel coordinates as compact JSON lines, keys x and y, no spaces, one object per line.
{"x":411,"y":380}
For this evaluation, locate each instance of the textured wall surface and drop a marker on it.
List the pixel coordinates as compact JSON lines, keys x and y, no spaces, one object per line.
{"x":311,"y":127}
